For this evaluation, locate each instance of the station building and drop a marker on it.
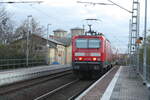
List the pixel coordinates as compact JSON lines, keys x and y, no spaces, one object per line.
{"x":59,"y":33}
{"x":59,"y":47}
{"x":77,"y":31}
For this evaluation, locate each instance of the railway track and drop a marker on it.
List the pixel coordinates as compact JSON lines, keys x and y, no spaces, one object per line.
{"x":55,"y":90}
{"x":29,"y":83}
{"x":45,"y":88}
{"x":60,"y":86}
{"x":67,"y":91}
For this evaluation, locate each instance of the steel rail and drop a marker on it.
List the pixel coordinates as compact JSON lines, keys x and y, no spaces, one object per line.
{"x":55,"y":90}
{"x":35,"y":82}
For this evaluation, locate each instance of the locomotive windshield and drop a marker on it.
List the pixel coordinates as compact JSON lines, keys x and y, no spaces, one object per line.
{"x":82,"y":43}
{"x":87,"y":43}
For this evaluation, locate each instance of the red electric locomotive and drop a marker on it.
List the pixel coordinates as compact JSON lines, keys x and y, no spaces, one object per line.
{"x":91,"y":55}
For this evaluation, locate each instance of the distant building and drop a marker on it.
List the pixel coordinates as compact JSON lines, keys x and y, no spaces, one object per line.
{"x":55,"y":51}
{"x":60,"y":33}
{"x":77,"y":31}
{"x":66,"y":41}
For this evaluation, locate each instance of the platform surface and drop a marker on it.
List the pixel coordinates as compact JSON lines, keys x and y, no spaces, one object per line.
{"x":15,"y":75}
{"x":128,"y":86}
{"x":121,"y":84}
{"x":96,"y":90}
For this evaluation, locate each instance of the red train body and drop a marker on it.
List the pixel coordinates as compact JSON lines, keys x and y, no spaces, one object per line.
{"x":91,"y":55}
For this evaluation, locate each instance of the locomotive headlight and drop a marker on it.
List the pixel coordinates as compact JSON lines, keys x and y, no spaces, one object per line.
{"x":80,"y":58}
{"x":94,"y":59}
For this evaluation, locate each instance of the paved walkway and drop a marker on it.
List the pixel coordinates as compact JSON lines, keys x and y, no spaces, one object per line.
{"x":126,"y":85}
{"x":15,"y":75}
{"x":96,"y":91}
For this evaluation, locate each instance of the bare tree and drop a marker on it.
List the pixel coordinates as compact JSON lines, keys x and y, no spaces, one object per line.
{"x":21,"y":33}
{"x":6,"y":27}
{"x":36,"y":28}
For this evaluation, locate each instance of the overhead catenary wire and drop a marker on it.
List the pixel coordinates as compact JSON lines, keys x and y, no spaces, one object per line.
{"x":11,"y":2}
{"x":92,"y":3}
{"x":39,"y":10}
{"x":29,"y":2}
{"x":120,"y":6}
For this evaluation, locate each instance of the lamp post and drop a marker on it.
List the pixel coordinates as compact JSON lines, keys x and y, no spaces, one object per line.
{"x":27,"y":51}
{"x":47,"y":45}
{"x":145,"y":51}
{"x":47,"y":33}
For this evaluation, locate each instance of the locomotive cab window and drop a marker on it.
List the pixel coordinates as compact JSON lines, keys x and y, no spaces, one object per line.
{"x":88,"y":43}
{"x":94,"y":43}
{"x":82,"y":43}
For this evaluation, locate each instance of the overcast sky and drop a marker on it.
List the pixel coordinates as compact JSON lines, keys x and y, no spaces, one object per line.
{"x":67,"y":14}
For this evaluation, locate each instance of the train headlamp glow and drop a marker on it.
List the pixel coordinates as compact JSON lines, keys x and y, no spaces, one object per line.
{"x":80,"y":58}
{"x":94,"y":59}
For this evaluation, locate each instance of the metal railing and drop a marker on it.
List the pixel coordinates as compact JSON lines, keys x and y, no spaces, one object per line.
{"x":141,"y":72}
{"x":141,"y":68}
{"x":18,"y":63}
{"x":148,"y":73}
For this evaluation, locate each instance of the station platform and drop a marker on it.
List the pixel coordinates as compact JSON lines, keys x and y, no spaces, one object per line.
{"x":21,"y":74}
{"x":125,"y":85}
